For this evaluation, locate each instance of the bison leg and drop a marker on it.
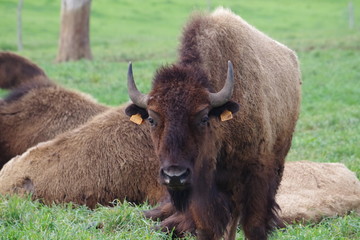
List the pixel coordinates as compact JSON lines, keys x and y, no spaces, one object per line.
{"x":179,"y":224}
{"x":231,"y":228}
{"x":259,"y":214}
{"x":161,"y":212}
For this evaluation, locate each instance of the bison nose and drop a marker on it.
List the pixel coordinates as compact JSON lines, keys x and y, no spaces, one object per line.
{"x":175,"y":176}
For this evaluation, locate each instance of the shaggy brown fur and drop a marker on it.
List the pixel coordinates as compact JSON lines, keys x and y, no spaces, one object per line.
{"x":36,"y":109}
{"x":310,"y":191}
{"x":233,"y":168}
{"x":105,"y":159}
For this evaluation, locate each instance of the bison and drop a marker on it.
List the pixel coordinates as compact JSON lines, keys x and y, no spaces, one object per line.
{"x":36,"y":109}
{"x":311,"y":191}
{"x":221,"y":172}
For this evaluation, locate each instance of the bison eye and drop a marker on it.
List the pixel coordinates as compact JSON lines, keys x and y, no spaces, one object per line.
{"x":151,"y":121}
{"x":204,"y":120}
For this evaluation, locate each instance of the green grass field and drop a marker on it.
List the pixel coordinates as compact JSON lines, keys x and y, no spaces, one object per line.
{"x":147,"y":32}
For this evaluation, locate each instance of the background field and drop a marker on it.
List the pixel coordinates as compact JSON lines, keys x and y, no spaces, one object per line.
{"x":147,"y":32}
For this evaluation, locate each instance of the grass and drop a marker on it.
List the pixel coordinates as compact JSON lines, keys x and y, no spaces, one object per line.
{"x":26,"y":219}
{"x":329,"y":126}
{"x":147,"y":33}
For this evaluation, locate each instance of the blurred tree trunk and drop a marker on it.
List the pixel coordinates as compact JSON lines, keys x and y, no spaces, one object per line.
{"x":74,"y":40}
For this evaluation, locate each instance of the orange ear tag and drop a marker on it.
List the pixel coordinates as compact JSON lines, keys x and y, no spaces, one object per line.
{"x":136,"y":118}
{"x":226,"y":115}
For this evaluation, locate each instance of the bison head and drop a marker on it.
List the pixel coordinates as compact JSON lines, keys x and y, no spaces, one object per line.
{"x":181,"y":111}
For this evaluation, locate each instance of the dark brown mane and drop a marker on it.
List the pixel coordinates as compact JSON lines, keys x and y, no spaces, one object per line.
{"x":185,"y":73}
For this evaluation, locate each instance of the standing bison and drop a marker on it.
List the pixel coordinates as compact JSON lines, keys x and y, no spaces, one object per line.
{"x":221,"y":172}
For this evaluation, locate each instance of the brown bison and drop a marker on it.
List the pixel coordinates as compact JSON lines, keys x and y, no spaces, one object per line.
{"x":36,"y":109}
{"x":311,"y":191}
{"x":219,"y":173}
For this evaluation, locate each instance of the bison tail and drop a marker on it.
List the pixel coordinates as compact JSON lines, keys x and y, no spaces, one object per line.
{"x":17,"y":72}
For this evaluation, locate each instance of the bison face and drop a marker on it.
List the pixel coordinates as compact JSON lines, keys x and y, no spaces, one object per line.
{"x":179,"y":137}
{"x":180,"y":111}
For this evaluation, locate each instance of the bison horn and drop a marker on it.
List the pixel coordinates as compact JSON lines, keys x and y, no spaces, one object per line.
{"x":224,"y":95}
{"x":135,"y":95}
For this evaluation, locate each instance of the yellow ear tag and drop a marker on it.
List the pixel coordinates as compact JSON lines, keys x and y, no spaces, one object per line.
{"x":226,"y":115}
{"x":136,"y":118}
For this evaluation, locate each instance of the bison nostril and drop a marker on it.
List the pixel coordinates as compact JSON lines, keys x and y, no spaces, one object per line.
{"x":175,"y":175}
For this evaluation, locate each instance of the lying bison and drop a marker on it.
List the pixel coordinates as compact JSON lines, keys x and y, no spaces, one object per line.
{"x":36,"y":109}
{"x":221,"y":172}
{"x":311,"y":191}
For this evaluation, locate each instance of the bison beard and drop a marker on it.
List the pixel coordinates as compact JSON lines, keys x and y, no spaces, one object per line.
{"x":180,"y":198}
{"x":210,"y":210}
{"x":203,"y":211}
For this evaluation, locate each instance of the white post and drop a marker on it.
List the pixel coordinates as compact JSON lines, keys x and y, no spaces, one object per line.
{"x":19,"y":25}
{"x":209,"y":4}
{"x":351,"y":15}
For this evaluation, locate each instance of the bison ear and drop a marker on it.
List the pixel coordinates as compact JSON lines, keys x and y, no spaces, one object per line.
{"x":225,"y":111}
{"x":136,"y":114}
